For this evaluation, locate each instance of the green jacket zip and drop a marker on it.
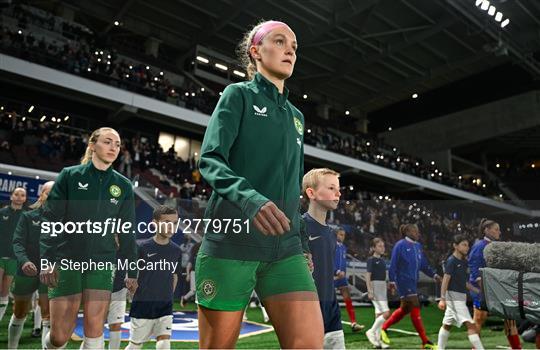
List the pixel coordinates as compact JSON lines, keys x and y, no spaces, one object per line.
{"x":253,"y":152}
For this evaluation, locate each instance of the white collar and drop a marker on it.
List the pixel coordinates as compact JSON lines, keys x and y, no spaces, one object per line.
{"x":488,"y":239}
{"x":410,"y":239}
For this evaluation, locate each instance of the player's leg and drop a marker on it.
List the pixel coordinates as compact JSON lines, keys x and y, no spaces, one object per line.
{"x":479,"y":318}
{"x":8,"y":267}
{"x":472,"y":334}
{"x":45,"y":312}
{"x":140,"y":332}
{"x":343,"y":287}
{"x":290,"y":297}
{"x":115,"y":317}
{"x":224,"y":287}
{"x":96,"y":304}
{"x":21,"y":305}
{"x":3,"y":300}
{"x":512,"y":334}
{"x":36,"y":309}
{"x":404,"y":308}
{"x":416,"y":320}
{"x":162,"y":331}
{"x":382,"y":313}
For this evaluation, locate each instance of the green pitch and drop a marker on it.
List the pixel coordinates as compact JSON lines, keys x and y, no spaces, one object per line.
{"x":492,"y":335}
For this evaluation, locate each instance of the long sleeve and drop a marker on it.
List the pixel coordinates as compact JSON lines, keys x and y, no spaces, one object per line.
{"x":20,"y":241}
{"x":214,"y":162}
{"x":53,"y":211}
{"x":476,"y":261}
{"x":128,"y":245}
{"x":394,"y":261}
{"x":424,"y":264}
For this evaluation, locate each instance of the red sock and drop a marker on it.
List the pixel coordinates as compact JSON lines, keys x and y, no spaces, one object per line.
{"x":514,"y":341}
{"x":350,"y":309}
{"x":538,"y":340}
{"x":396,"y":316}
{"x":418,"y":325}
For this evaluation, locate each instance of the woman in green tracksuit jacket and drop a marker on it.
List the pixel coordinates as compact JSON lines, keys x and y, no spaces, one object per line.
{"x":9,"y":217}
{"x":252,"y":156}
{"x":90,"y":193}
{"x":26,"y":282}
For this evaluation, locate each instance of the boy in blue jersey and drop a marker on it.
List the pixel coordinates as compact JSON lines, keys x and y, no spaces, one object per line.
{"x":152,"y":307}
{"x":454,"y":295}
{"x":491,"y":232}
{"x":340,"y":278}
{"x":321,"y":187}
{"x":407,"y":261}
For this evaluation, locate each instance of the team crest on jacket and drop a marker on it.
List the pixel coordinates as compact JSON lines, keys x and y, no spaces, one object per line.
{"x":298,"y":125}
{"x":209,"y":289}
{"x":115,"y":191}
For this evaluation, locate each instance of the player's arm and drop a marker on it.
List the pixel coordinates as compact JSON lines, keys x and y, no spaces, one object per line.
{"x":369,"y":285}
{"x":214,"y":164}
{"x":54,"y":210}
{"x":128,"y":246}
{"x":188,"y":271}
{"x":174,"y":281}
{"x":394,"y":261}
{"x":444,"y":289}
{"x":20,"y":241}
{"x":472,"y":288}
{"x":426,"y":268}
{"x":476,"y":261}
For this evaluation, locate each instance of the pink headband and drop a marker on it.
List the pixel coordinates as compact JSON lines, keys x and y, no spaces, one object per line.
{"x":266,"y":28}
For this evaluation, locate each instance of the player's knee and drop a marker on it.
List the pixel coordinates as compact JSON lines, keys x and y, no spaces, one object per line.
{"x":447,"y":327}
{"x":133,"y":346}
{"x":386,"y":314}
{"x":163,"y":344}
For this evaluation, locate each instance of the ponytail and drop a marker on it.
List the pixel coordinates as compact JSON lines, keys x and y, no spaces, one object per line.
{"x":485,"y":223}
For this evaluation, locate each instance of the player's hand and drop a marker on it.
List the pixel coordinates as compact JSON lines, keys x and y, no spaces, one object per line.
{"x":309,"y":259}
{"x":131,"y":285}
{"x":188,"y":277}
{"x":270,"y":220}
{"x":392,"y":287}
{"x":29,"y":269}
{"x":442,"y":304}
{"x":437,"y":278}
{"x":49,"y":277}
{"x":370,"y":295}
{"x":340,"y":275}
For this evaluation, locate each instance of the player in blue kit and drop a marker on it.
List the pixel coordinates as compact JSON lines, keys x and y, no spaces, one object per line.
{"x":321,"y":187}
{"x":408,"y":259}
{"x":152,"y":307}
{"x":491,"y":231}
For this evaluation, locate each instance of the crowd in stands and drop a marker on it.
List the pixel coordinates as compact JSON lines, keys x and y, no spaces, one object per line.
{"x":84,"y":57}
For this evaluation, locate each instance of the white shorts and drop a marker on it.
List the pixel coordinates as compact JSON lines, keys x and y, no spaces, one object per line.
{"x":117,"y":307}
{"x":456,"y":313}
{"x":380,"y":297}
{"x":142,"y":329}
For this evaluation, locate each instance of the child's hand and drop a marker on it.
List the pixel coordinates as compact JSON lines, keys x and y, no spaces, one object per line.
{"x":370,"y":295}
{"x":442,"y":304}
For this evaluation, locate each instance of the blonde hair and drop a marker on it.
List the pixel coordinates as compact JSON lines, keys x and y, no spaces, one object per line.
{"x":92,"y":140}
{"x":373,"y":244}
{"x":37,"y":204}
{"x":313,"y":178}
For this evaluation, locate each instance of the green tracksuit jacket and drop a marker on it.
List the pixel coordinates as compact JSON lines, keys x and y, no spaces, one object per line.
{"x":253,"y":152}
{"x":83,"y":193}
{"x":8,"y":222}
{"x":26,"y":238}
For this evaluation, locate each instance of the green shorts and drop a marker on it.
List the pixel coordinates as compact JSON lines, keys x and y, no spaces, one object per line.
{"x":25,"y":285}
{"x":72,"y":282}
{"x":227,"y":284}
{"x":9,"y":266}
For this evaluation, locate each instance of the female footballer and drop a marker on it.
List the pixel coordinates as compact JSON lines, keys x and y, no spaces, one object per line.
{"x":90,"y":192}
{"x":252,"y":156}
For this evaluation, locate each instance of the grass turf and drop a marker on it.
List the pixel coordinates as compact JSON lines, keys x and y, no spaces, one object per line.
{"x":492,"y":334}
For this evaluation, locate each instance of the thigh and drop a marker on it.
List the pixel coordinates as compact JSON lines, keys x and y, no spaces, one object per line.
{"x":21,"y":305}
{"x":285,"y":276}
{"x":297,"y":319}
{"x":24,"y":286}
{"x":219,"y":329}
{"x":224,"y":284}
{"x":69,"y":283}
{"x":117,"y":307}
{"x":163,"y":327}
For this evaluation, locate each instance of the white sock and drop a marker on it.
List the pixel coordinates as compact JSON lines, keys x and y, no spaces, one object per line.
{"x":15,"y":329}
{"x":377,"y":325}
{"x":475,"y":341}
{"x":46,"y":327}
{"x":4,"y":301}
{"x":93,"y":343}
{"x":132,"y":346}
{"x":49,"y":345}
{"x":164,"y":344}
{"x":334,"y":340}
{"x":37,"y":317}
{"x":443,"y":338}
{"x":265,"y":314}
{"x":114,"y":339}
